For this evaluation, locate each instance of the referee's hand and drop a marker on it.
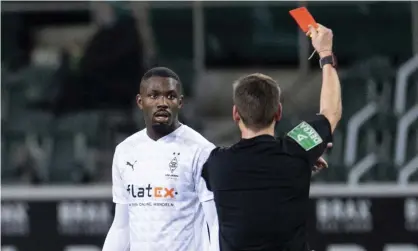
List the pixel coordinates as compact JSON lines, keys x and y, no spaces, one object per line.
{"x":321,"y":39}
{"x":321,"y":163}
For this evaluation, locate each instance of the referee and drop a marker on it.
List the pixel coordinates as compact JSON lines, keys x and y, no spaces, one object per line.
{"x":261,"y":184}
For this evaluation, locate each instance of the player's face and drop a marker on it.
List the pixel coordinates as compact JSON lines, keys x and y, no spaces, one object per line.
{"x":160,"y":99}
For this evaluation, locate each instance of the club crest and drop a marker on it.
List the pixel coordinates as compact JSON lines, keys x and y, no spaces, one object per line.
{"x":174,"y":162}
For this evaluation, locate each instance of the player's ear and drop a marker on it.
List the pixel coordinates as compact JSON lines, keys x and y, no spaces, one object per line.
{"x":181,"y":101}
{"x":235,"y":114}
{"x":279,"y":113}
{"x":139,"y":101}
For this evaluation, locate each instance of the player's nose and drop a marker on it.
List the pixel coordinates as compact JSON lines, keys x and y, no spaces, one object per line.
{"x":162,"y":103}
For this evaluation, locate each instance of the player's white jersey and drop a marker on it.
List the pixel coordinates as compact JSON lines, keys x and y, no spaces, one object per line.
{"x":162,"y":185}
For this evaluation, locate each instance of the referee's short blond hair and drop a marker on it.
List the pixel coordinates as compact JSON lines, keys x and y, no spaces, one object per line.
{"x":257,"y":99}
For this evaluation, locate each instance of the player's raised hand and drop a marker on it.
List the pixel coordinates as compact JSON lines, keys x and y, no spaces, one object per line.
{"x":321,"y":39}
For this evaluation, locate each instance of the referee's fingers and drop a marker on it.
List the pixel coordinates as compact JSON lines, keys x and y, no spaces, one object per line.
{"x":321,"y":28}
{"x":321,"y":163}
{"x":312,"y":31}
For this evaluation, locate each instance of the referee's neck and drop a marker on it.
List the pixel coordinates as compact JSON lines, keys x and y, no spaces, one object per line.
{"x":247,"y":133}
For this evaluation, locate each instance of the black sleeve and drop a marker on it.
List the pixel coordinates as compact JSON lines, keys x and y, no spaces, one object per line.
{"x":205,"y":174}
{"x":206,"y":167}
{"x":312,"y":137}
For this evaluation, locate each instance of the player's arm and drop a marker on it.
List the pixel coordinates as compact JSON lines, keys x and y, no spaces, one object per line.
{"x":117,"y":238}
{"x":206,"y":197}
{"x":211,"y":217}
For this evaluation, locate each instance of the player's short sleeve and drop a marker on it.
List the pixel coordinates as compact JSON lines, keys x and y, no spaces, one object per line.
{"x":120,"y":196}
{"x":312,"y":137}
{"x":202,"y":190}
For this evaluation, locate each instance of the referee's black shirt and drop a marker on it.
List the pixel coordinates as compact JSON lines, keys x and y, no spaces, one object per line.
{"x":261,"y":188}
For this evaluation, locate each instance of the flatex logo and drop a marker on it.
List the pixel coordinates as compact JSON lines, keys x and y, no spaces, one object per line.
{"x":151,"y":192}
{"x":166,"y":194}
{"x":172,"y":165}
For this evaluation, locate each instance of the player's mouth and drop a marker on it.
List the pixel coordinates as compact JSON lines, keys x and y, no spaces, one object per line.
{"x":162,"y":116}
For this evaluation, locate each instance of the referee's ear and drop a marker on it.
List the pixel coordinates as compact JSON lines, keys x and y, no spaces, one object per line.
{"x":278,"y":114}
{"x":139,"y":101}
{"x":235,"y":114}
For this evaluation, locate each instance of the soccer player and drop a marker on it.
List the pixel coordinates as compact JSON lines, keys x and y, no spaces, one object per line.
{"x":162,"y":202}
{"x":261,"y":184}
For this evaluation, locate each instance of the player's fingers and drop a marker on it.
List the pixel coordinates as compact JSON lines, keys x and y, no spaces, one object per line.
{"x":329,"y":145}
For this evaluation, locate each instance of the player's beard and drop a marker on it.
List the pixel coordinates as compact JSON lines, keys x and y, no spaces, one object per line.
{"x":163,"y":129}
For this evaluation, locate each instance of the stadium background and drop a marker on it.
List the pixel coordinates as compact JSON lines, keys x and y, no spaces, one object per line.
{"x":69,"y":75}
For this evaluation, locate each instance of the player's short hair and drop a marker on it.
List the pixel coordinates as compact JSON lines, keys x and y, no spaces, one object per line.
{"x":163,"y":72}
{"x":257,"y":98}
{"x":160,"y":72}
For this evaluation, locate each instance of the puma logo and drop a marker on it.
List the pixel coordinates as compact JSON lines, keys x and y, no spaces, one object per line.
{"x":131,"y":165}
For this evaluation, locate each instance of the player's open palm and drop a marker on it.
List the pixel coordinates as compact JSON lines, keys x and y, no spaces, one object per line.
{"x":321,"y":38}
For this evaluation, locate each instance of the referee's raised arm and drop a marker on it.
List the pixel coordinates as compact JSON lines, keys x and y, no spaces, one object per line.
{"x":330,"y":102}
{"x":314,"y":135}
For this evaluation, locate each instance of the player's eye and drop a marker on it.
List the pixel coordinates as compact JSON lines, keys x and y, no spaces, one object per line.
{"x":153,"y":96}
{"x":171,"y":96}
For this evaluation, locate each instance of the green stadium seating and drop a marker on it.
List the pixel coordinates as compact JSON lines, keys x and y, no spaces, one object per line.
{"x":239,"y":35}
{"x":173,"y":31}
{"x":266,"y":34}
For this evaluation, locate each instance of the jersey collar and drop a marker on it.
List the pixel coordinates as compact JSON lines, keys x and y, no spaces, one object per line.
{"x":169,"y":136}
{"x":264,"y":137}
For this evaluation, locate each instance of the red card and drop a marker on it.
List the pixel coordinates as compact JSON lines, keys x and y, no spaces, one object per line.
{"x":303,"y":18}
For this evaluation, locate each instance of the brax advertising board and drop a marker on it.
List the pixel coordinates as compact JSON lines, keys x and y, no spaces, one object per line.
{"x":372,"y":218}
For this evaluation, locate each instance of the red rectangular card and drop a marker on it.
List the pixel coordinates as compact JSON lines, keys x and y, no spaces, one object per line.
{"x":303,"y":18}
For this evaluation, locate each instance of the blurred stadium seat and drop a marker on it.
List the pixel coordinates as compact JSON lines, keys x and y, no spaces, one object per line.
{"x":62,"y":116}
{"x":371,"y":144}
